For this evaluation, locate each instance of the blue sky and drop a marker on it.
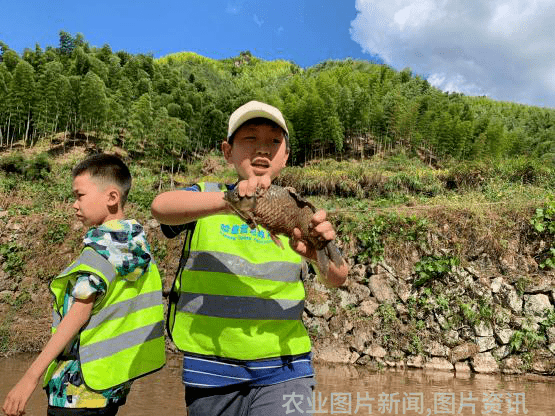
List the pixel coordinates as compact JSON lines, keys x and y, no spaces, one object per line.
{"x":499,"y":48}
{"x":306,"y":32}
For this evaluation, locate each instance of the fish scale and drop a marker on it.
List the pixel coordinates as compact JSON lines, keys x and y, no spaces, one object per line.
{"x":280,"y":210}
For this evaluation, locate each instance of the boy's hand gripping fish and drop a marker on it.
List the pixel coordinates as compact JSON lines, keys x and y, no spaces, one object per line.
{"x":280,"y":210}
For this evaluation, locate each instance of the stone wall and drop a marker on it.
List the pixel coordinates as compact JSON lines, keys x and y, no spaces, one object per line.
{"x":486,"y":315}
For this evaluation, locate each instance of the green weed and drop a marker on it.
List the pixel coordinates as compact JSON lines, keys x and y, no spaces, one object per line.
{"x":12,"y":258}
{"x":544,"y":223}
{"x":57,"y":233}
{"x":525,"y":340}
{"x":433,"y":267}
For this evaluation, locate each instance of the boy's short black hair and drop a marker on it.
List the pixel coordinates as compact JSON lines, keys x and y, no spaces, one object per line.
{"x":260,"y":121}
{"x":109,"y":168}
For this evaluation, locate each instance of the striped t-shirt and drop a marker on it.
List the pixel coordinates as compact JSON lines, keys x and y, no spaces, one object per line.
{"x":201,"y":371}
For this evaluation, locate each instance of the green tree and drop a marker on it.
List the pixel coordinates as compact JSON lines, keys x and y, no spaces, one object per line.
{"x":10,"y":59}
{"x":67,"y":43}
{"x":21,"y":99}
{"x":141,"y":121}
{"x":93,"y":103}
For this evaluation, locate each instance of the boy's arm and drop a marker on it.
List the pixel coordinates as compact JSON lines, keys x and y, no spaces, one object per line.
{"x":69,"y":326}
{"x":182,"y":207}
{"x":336,"y":276}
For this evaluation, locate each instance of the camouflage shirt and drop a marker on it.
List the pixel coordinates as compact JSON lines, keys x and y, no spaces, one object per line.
{"x":123,"y":243}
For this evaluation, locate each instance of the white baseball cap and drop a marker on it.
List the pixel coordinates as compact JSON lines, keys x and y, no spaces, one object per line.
{"x":255,"y":109}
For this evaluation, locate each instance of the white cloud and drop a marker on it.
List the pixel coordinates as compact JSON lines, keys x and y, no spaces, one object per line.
{"x":258,"y":21}
{"x":500,"y":48}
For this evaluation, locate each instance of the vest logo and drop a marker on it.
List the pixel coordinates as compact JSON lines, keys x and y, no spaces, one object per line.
{"x":243,"y":232}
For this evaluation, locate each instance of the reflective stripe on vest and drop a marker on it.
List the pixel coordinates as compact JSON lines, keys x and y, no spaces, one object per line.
{"x":238,"y":295}
{"x":96,"y":261}
{"x":111,"y":346}
{"x":240,"y":307}
{"x":124,"y":338}
{"x":214,"y":261}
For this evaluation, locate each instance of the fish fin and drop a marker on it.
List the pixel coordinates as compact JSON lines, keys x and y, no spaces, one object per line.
{"x":276,"y":240}
{"x":301,"y":202}
{"x":251,"y":220}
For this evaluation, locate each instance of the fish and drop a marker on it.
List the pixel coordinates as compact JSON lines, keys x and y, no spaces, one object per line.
{"x":280,"y":210}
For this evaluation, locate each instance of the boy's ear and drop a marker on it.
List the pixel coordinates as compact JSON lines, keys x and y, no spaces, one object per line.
{"x":226,"y":150}
{"x":114,"y":196}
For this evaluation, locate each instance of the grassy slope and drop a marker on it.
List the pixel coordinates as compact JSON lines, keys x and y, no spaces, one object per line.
{"x":380,"y":207}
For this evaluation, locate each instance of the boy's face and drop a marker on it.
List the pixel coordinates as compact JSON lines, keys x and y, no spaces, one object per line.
{"x":257,"y":150}
{"x":94,"y":202}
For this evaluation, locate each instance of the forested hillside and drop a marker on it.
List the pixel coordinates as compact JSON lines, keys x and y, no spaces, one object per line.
{"x":178,"y":105}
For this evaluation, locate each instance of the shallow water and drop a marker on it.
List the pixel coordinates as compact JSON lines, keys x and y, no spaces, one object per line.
{"x":342,"y":390}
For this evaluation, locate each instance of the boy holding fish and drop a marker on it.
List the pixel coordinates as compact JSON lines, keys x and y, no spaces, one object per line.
{"x":236,"y":304}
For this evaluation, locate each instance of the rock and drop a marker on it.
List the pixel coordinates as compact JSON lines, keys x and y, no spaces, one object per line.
{"x":501,"y":315}
{"x":334,"y":354}
{"x":152,"y":224}
{"x":483,"y":329}
{"x":496,"y":284}
{"x":485,"y":343}
{"x":375,"y":351}
{"x":401,"y":309}
{"x":550,"y":332}
{"x":347,"y":299}
{"x":463,"y":352}
{"x":441,"y":320}
{"x":452,"y":337}
{"x":336,"y":323}
{"x":380,"y":288}
{"x":318,"y":309}
{"x":354,"y":357}
{"x":438,"y":364}
{"x":317,"y":324}
{"x":364,"y":360}
{"x":368,"y":307}
{"x":504,"y":335}
{"x":415,"y":362}
{"x":512,"y":365}
{"x":361,"y":292}
{"x":484,"y":363}
{"x":3,"y":214}
{"x":382,"y":267}
{"x":347,"y":326}
{"x":435,"y":349}
{"x":404,"y":291}
{"x":537,"y":304}
{"x":551,"y":348}
{"x":358,"y":273}
{"x":462,"y":368}
{"x":501,"y":352}
{"x":509,"y":298}
{"x":543,"y":285}
{"x":362,"y":337}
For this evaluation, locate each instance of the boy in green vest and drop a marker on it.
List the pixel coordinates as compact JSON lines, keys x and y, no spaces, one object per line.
{"x":108,"y":310}
{"x":236,"y":304}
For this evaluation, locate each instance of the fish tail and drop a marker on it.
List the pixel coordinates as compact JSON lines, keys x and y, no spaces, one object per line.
{"x":322,"y":260}
{"x":334,"y":254}
{"x":329,"y":252}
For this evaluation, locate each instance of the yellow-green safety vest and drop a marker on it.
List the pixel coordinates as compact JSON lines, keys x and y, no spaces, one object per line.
{"x":124,"y":338}
{"x":237,"y":295}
